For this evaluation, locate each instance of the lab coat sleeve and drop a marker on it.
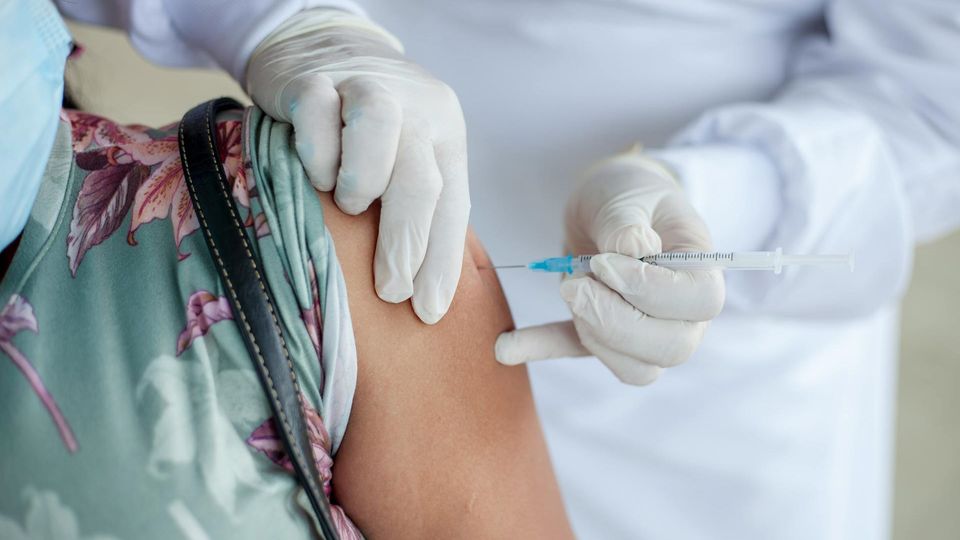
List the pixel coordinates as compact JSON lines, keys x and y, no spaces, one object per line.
{"x":859,"y":152}
{"x":191,"y":33}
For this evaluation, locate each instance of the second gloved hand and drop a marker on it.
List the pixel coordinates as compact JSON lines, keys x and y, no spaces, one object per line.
{"x":635,"y":317}
{"x":370,"y":125}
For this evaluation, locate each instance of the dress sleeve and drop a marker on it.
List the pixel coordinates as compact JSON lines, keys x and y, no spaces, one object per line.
{"x":186,"y":33}
{"x":301,"y":268}
{"x":859,"y":152}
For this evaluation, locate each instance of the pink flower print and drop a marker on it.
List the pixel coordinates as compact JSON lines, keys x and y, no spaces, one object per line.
{"x":312,"y":316}
{"x":241,"y":189}
{"x":265,"y":439}
{"x":165,"y":191}
{"x":204,"y":309}
{"x":103,"y":201}
{"x":260,"y":225}
{"x":89,"y":130}
{"x":244,"y":189}
{"x":82,"y":128}
{"x":229,"y":147}
{"x":346,"y":529}
{"x":16,"y":316}
{"x":134,"y":167}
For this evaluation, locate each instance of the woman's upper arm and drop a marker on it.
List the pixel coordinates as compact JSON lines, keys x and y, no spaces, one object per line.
{"x":442,"y":440}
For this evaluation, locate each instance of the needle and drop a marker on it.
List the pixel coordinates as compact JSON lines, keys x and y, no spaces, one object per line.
{"x":499,"y":267}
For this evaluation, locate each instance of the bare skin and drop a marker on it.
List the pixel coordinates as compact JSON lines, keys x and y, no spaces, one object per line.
{"x":443,"y":442}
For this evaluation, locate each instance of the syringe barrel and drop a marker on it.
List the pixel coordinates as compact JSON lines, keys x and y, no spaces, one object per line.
{"x":580,"y":263}
{"x":758,"y":260}
{"x":743,"y":260}
{"x":746,"y":260}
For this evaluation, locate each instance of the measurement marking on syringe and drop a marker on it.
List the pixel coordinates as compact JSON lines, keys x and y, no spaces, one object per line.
{"x":688,"y":257}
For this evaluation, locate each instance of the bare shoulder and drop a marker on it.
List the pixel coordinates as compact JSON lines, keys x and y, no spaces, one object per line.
{"x":442,"y":440}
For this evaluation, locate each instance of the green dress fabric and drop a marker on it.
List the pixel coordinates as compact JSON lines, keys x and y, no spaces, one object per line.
{"x":130,"y":405}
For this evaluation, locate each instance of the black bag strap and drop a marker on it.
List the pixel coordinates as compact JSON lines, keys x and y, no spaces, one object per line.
{"x":253,"y":306}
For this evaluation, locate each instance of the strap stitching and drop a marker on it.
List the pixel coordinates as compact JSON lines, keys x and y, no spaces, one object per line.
{"x":256,"y":269}
{"x":233,"y":293}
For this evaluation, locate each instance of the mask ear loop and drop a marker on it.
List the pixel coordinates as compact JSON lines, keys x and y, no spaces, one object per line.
{"x":69,"y":100}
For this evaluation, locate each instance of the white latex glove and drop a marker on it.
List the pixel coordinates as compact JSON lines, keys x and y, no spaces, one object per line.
{"x":635,"y":317}
{"x":371,"y":124}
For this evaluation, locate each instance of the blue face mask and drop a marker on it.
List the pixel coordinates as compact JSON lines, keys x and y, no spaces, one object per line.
{"x":34,"y":44}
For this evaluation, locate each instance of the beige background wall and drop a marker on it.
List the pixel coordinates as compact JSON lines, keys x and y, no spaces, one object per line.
{"x":111,"y":79}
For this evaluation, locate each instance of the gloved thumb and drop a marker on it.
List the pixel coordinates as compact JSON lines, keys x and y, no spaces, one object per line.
{"x":553,"y":340}
{"x":314,"y":111}
{"x":611,"y":211}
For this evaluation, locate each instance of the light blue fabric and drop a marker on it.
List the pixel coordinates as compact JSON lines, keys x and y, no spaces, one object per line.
{"x":34,"y":44}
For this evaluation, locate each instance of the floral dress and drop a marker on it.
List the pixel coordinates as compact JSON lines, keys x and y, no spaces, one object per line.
{"x":130,"y":407}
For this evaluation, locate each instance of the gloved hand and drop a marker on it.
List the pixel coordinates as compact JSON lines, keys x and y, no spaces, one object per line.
{"x":371,"y":124}
{"x":635,"y":317}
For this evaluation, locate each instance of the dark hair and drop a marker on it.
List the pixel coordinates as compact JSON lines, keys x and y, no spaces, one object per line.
{"x":69,"y":100}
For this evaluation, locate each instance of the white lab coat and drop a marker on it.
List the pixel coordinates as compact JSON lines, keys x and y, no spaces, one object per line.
{"x":819,"y":126}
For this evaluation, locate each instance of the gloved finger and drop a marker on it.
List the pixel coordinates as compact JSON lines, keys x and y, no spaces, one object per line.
{"x":603,"y":316}
{"x":614,"y":212}
{"x":695,"y":295}
{"x":679,"y":225}
{"x":436,"y":282}
{"x":627,"y":232}
{"x":406,"y":214}
{"x":315,"y":115}
{"x":627,"y":369}
{"x":372,"y":119}
{"x":553,"y":340}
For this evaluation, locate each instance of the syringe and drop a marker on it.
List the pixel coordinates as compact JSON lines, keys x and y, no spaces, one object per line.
{"x":697,"y":260}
